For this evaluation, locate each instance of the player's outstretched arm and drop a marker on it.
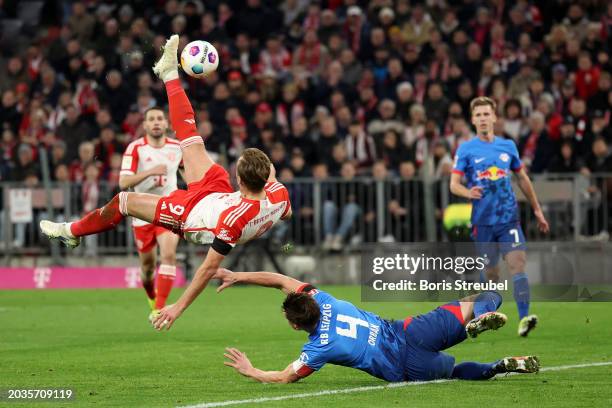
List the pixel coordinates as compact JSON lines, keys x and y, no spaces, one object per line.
{"x":527,"y":188}
{"x":240,"y":362}
{"x":203,"y":275}
{"x":267,"y":279}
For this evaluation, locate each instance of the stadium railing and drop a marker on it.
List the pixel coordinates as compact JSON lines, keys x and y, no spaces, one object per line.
{"x":578,"y":207}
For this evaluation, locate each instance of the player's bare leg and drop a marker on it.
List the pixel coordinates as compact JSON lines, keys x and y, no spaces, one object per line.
{"x":492,"y":273}
{"x":517,"y":261}
{"x":182,"y":118}
{"x":147,"y":274}
{"x":139,"y":205}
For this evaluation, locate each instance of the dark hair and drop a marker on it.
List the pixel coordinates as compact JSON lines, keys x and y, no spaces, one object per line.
{"x":513,"y":102}
{"x":253,"y":168}
{"x":483,"y":101}
{"x":154,"y":108}
{"x":302,"y":310}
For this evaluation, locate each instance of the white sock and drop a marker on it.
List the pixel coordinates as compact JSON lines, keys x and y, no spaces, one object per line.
{"x":68,"y":231}
{"x":170,"y":75}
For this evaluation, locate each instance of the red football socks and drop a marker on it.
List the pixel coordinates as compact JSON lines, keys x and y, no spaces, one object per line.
{"x":164,"y":282}
{"x":102,"y":219}
{"x":182,"y":117}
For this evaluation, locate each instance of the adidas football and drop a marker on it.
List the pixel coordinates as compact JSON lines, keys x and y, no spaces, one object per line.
{"x":199,"y":58}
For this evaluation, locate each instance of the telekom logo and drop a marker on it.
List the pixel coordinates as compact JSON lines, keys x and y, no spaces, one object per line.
{"x":42,"y":276}
{"x":132,"y":277}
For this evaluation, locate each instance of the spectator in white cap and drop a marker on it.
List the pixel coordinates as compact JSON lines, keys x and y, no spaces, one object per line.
{"x":403,"y":94}
{"x":356,"y":29}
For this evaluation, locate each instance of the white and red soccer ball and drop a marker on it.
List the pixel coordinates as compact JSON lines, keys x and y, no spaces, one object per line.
{"x":199,"y":58}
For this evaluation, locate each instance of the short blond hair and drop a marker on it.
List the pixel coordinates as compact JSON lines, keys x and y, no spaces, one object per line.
{"x":482,"y":101}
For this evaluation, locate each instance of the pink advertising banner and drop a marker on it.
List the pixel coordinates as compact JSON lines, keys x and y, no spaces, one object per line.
{"x":65,"y":278}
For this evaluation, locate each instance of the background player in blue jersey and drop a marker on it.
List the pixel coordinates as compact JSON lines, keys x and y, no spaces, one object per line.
{"x":486,"y":162}
{"x":394,"y":350}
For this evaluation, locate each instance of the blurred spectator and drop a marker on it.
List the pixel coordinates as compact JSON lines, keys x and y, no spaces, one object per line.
{"x":278,"y":156}
{"x":439,"y":164}
{"x":360,"y":148}
{"x":81,"y":22}
{"x":405,"y":205}
{"x":599,"y":160}
{"x":598,"y":101}
{"x":107,"y":146}
{"x":387,"y":120}
{"x":86,"y":157}
{"x":300,"y":140}
{"x":345,"y":201}
{"x":58,"y":155}
{"x":11,"y":73}
{"x":73,"y":131}
{"x":311,"y":54}
{"x":327,"y":140}
{"x":565,"y":161}
{"x":112,"y":174}
{"x":436,"y":105}
{"x":587,"y":76}
{"x":10,"y":117}
{"x":600,"y":127}
{"x":535,"y":147}
{"x":417,"y":29}
{"x":61,"y":173}
{"x":25,"y":164}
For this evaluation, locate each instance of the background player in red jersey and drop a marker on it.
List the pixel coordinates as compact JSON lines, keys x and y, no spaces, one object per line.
{"x":149,"y":165}
{"x":208,"y":212}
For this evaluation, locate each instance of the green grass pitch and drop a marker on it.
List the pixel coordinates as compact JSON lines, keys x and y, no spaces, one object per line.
{"x":100,"y":344}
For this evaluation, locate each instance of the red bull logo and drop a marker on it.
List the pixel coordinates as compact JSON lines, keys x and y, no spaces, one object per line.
{"x":492,"y":173}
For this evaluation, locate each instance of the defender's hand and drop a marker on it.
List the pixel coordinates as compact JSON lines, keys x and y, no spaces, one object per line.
{"x":238,"y":360}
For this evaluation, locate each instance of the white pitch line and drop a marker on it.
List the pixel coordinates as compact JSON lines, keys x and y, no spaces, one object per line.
{"x":364,"y":389}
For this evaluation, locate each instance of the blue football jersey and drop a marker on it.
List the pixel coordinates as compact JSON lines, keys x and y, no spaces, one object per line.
{"x":489,"y":165}
{"x":352,"y":337}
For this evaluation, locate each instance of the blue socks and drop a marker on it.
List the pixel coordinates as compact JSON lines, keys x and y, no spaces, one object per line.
{"x":473,"y":371}
{"x":487,"y":302}
{"x":521,"y":293}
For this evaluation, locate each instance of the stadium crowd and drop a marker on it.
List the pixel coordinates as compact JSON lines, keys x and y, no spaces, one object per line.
{"x":327,"y":88}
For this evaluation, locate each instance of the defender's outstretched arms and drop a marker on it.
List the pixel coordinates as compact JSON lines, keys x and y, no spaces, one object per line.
{"x":267,"y":279}
{"x":240,"y":362}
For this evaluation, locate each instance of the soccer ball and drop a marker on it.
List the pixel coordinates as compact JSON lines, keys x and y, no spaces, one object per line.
{"x":199,"y":58}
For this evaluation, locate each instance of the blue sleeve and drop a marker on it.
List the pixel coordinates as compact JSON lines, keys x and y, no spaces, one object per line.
{"x":515,"y":159}
{"x":314,"y":356}
{"x":461,"y":160}
{"x":323,"y":297}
